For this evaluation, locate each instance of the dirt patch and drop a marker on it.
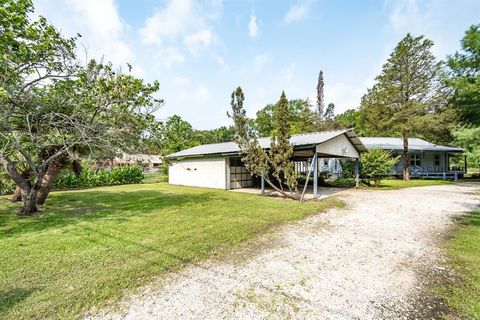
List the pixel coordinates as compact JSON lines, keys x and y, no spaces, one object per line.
{"x":371,"y":260}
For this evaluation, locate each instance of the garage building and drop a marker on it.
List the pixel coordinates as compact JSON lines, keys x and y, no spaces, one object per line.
{"x":219,"y":165}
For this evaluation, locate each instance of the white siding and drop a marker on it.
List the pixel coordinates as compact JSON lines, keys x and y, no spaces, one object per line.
{"x":339,"y":146}
{"x":199,"y":172}
{"x":428,"y":161}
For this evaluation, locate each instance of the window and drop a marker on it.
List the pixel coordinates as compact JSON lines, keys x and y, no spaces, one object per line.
{"x":325,"y":163}
{"x":415,"y":160}
{"x":436,"y":160}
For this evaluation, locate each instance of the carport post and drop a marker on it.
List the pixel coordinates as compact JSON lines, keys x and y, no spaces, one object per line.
{"x":262,"y":184}
{"x":315,"y":175}
{"x":357,"y":173}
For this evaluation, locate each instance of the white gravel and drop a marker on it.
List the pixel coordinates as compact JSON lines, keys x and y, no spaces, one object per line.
{"x":362,"y":262}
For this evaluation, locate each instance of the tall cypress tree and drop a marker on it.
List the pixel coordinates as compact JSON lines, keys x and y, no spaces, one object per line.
{"x":281,"y":151}
{"x":408,"y":95}
{"x":320,"y":97}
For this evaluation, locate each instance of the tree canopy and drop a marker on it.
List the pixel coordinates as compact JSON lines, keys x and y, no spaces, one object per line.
{"x":409,"y":97}
{"x":465,"y":76}
{"x":302,"y":118}
{"x":52,"y":105}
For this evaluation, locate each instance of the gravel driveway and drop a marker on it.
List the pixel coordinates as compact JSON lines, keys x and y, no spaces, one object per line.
{"x":368,"y":261}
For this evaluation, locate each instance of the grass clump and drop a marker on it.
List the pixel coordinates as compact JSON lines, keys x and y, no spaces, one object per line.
{"x":464,"y":257}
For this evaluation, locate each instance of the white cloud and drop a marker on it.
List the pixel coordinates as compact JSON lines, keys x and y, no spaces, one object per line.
{"x":168,"y":56}
{"x":427,"y":17}
{"x":181,"y":81}
{"x":253,"y":28}
{"x":288,"y":73}
{"x":221,"y":61}
{"x":407,"y":15}
{"x":259,"y":61}
{"x":202,"y":94}
{"x":199,"y":40}
{"x":182,"y":20}
{"x":343,"y":95}
{"x":296,"y":13}
{"x":168,"y":23}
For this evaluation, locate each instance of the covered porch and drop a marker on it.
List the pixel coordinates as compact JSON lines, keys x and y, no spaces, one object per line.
{"x":435,"y":165}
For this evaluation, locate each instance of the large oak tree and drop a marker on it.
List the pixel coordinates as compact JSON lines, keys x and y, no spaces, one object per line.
{"x":52,"y":106}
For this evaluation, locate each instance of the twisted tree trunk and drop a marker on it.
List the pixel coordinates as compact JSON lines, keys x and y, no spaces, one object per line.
{"x":29,"y":205}
{"x":17,"y":194}
{"x":49,"y":178}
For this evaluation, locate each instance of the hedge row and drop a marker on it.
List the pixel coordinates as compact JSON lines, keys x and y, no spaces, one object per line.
{"x":103,"y":177}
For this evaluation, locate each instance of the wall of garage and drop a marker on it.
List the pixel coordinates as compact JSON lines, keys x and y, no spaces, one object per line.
{"x":199,"y":172}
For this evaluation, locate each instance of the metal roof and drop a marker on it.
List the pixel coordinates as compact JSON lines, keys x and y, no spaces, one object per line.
{"x":414,"y":144}
{"x":296,"y":140}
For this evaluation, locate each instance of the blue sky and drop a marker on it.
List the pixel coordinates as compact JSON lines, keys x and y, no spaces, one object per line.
{"x":200,"y":51}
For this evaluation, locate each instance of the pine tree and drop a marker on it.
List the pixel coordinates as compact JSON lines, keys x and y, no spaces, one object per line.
{"x":320,"y":102}
{"x":408,"y":96}
{"x":330,"y":112}
{"x":281,"y":151}
{"x":240,"y":117}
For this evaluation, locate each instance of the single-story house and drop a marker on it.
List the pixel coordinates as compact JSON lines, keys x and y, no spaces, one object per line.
{"x":219,"y":165}
{"x":426,"y":159}
{"x":140,"y":159}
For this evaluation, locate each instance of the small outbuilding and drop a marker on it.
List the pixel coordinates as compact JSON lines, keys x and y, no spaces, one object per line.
{"x":219,"y":165}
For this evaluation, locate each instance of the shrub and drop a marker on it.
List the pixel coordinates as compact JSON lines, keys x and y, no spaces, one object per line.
{"x":348,"y":168}
{"x":376,"y":164}
{"x":468,"y":138}
{"x":7,"y":186}
{"x":102,"y":177}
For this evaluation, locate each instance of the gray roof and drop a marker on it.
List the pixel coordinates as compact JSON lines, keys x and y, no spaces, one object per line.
{"x":414,"y":144}
{"x":297,"y":140}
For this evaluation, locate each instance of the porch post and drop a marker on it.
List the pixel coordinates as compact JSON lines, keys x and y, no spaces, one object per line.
{"x":357,"y":173}
{"x":262,"y":184}
{"x":445,"y":170}
{"x":315,"y":175}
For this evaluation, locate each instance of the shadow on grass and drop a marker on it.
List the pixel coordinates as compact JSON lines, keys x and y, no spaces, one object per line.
{"x":10,"y":298}
{"x":96,"y":205}
{"x":470,"y":219}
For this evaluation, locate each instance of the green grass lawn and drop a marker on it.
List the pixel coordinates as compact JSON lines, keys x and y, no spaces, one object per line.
{"x":391,"y":184}
{"x":88,"y":246}
{"x":464,"y":252}
{"x":155,"y":177}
